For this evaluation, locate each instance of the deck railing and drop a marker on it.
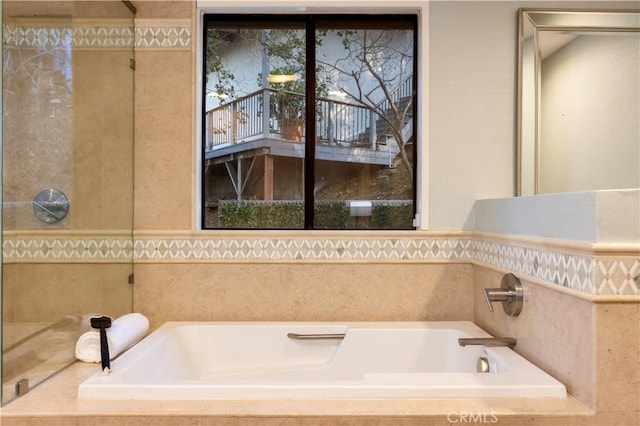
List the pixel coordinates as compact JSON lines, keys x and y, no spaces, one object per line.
{"x":338,"y":123}
{"x":235,"y":121}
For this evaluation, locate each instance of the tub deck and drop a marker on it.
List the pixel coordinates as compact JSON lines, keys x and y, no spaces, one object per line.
{"x":55,"y":402}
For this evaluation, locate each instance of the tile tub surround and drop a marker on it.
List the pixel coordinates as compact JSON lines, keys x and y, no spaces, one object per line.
{"x":40,"y":292}
{"x":561,"y":341}
{"x":229,"y":269}
{"x":607,"y":269}
{"x":603,"y":269}
{"x":593,"y":347}
{"x":303,"y":292}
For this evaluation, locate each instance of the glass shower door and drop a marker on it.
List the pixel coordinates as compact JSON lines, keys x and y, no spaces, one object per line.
{"x":67,"y":179}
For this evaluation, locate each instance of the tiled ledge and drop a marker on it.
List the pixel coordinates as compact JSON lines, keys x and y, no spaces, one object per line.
{"x":55,"y":402}
{"x":591,"y":269}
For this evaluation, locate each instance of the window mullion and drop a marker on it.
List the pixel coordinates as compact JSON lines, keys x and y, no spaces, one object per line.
{"x":310,"y":124}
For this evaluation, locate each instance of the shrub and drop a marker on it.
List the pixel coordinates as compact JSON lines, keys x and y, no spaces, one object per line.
{"x":332,"y":214}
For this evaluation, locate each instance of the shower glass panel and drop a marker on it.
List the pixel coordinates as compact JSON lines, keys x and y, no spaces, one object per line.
{"x":67,"y":179}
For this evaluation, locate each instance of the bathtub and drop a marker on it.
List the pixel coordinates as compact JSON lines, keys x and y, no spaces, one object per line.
{"x":210,"y":360}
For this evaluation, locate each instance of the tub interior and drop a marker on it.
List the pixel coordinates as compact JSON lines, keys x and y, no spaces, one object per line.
{"x":269,"y":353}
{"x":256,"y":360}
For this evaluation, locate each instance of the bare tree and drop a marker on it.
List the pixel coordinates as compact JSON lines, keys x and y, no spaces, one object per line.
{"x":371,"y":73}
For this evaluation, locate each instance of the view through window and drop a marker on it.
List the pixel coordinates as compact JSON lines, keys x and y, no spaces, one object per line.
{"x":309,"y":122}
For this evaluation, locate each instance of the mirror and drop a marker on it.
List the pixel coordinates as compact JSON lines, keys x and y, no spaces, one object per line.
{"x":578,"y":106}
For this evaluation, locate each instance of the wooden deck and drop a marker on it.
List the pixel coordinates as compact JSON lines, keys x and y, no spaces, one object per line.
{"x":279,"y":147}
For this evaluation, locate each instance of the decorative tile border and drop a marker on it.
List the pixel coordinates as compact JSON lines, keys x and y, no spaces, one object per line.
{"x":302,"y":249}
{"x":557,"y":267}
{"x":74,"y":35}
{"x":36,"y":37}
{"x":617,"y":276}
{"x":579,"y":270}
{"x":66,"y":249}
{"x":164,"y":34}
{"x":103,"y":37}
{"x":582,"y":271}
{"x":147,"y":34}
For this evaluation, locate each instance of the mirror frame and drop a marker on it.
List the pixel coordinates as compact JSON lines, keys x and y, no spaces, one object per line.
{"x":566,"y":20}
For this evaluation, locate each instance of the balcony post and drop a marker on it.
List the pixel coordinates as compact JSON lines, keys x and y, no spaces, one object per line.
{"x":372,"y":130}
{"x":266,"y":112}
{"x":268,"y":177}
{"x":331,"y":136}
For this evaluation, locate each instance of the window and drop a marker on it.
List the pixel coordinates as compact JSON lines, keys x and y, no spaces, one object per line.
{"x":308,"y":122}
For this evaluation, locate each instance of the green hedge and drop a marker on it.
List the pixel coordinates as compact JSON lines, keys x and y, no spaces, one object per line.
{"x":263,"y":215}
{"x":328,"y":215}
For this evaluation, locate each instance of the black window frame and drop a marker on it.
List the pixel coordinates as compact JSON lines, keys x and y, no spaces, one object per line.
{"x":311,"y":23}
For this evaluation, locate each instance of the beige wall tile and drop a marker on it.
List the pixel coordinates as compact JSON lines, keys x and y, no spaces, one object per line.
{"x":164,"y":140}
{"x":555,"y":331}
{"x":102,"y":170}
{"x":10,"y":292}
{"x":307,"y":292}
{"x":164,"y":9}
{"x":164,"y":97}
{"x":618,"y":357}
{"x":49,"y":292}
{"x":100,"y":9}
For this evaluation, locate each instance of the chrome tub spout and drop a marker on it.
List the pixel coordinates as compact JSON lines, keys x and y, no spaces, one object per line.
{"x":487,"y":341}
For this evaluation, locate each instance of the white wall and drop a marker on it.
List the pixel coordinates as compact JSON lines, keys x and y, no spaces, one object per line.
{"x":472,"y":80}
{"x":472,"y":58}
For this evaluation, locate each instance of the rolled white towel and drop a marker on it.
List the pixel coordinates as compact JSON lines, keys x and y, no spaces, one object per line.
{"x":124,"y":332}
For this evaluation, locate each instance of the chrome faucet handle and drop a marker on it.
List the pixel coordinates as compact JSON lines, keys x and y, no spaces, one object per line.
{"x":498,"y":295}
{"x":510,"y":294}
{"x":487,"y":298}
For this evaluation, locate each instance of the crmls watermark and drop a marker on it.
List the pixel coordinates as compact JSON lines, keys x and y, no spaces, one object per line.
{"x":472,"y":417}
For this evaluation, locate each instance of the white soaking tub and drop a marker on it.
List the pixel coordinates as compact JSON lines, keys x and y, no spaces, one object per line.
{"x":211,"y":360}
